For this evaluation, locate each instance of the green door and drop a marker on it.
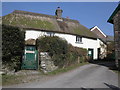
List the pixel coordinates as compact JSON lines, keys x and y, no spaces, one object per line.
{"x":30,"y":60}
{"x":90,"y":54}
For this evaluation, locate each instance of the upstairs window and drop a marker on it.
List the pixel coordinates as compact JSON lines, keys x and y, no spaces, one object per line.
{"x":50,"y":34}
{"x":78,"y":39}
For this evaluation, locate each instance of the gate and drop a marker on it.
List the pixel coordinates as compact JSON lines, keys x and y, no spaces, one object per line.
{"x":30,"y":60}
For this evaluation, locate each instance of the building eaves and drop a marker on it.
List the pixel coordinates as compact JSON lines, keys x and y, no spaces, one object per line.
{"x":110,"y":20}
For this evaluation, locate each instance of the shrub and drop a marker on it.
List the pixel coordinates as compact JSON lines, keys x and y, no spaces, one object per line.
{"x":62,"y":53}
{"x":53,"y":45}
{"x":110,"y":51}
{"x":76,"y":54}
{"x":12,"y":44}
{"x":56,"y":47}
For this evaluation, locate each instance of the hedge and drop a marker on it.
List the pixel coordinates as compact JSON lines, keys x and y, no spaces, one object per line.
{"x":12,"y":45}
{"x":62,"y":53}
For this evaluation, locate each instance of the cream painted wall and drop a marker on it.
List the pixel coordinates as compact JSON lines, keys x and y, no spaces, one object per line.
{"x":103,"y":48}
{"x":86,"y":42}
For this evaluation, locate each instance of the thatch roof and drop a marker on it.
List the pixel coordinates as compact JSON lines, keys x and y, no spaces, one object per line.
{"x":30,"y":42}
{"x":36,"y":21}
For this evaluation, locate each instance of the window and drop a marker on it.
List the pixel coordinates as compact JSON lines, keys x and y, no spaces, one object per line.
{"x":50,"y":34}
{"x":78,"y":39}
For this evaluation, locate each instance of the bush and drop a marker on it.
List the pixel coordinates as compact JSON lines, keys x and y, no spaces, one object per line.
{"x":62,"y":53}
{"x":76,"y":54}
{"x":53,"y":45}
{"x":110,"y":51}
{"x":12,"y":44}
{"x":56,"y":47}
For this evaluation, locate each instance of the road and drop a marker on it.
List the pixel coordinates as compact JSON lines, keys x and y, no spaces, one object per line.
{"x":87,"y":76}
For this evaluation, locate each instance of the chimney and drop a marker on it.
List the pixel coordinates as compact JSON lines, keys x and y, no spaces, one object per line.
{"x":58,"y":13}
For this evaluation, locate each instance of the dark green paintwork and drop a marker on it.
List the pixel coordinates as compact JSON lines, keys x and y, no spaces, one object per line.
{"x":30,"y":59}
{"x":91,"y":55}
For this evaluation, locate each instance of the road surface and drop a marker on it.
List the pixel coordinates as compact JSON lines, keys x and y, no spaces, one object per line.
{"x":87,"y":76}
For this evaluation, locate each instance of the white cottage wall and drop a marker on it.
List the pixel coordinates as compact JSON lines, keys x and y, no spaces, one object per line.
{"x":103,"y":48}
{"x":86,"y":42}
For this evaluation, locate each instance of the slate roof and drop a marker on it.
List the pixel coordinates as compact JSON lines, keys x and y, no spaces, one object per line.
{"x":110,"y":38}
{"x":30,"y":42}
{"x":36,"y":21}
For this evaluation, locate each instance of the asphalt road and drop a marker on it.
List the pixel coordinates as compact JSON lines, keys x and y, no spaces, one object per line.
{"x":87,"y":76}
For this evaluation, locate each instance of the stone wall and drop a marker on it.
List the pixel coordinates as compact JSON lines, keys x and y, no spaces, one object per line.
{"x":46,"y":63}
{"x":117,"y":37}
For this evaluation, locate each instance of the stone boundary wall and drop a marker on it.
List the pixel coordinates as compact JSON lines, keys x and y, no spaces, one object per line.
{"x":46,"y":64}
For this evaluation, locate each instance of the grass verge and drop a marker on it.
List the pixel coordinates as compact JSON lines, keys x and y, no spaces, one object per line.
{"x":62,"y":70}
{"x":17,"y":79}
{"x":11,"y":79}
{"x":116,"y":71}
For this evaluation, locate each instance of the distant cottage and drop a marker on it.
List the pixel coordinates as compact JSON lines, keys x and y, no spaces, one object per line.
{"x":37,"y":25}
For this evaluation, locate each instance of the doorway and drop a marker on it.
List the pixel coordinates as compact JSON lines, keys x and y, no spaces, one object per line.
{"x":90,"y":53}
{"x":30,"y":60}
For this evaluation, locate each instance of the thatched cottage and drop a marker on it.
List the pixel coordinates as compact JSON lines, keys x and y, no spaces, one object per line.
{"x":36,"y":25}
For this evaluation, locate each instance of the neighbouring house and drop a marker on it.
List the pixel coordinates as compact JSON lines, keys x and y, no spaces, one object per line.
{"x":106,"y":39}
{"x":99,"y":33}
{"x":109,"y":39}
{"x":115,"y":20}
{"x":102,"y":37}
{"x":37,"y":25}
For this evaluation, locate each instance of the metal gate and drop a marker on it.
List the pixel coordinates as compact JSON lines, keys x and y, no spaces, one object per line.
{"x":30,"y":60}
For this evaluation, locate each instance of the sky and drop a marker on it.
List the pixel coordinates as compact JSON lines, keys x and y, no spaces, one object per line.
{"x":89,"y":14}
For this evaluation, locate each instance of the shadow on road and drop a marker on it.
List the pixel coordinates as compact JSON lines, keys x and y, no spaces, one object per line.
{"x":108,"y":63}
{"x":87,"y":88}
{"x":112,"y":87}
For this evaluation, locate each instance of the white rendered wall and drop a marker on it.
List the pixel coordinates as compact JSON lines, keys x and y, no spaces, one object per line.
{"x":32,"y":34}
{"x":103,"y":48}
{"x":86,"y":42}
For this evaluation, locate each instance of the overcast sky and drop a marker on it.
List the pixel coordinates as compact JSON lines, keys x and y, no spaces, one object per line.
{"x":88,"y":14}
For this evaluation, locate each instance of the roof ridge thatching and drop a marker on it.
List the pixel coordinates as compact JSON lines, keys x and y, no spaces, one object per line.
{"x":36,"y":21}
{"x":39,"y":14}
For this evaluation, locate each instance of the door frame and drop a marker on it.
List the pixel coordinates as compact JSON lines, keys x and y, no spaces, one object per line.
{"x":35,"y":52}
{"x":91,"y":55}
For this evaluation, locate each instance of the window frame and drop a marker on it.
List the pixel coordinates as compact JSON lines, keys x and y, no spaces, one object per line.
{"x":79,"y":39}
{"x":51,"y":34}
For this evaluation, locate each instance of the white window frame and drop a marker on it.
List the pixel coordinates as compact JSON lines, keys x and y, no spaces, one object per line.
{"x":51,"y":34}
{"x":79,"y":39}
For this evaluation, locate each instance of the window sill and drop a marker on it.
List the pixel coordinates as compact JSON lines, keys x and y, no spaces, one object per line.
{"x":79,"y":42}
